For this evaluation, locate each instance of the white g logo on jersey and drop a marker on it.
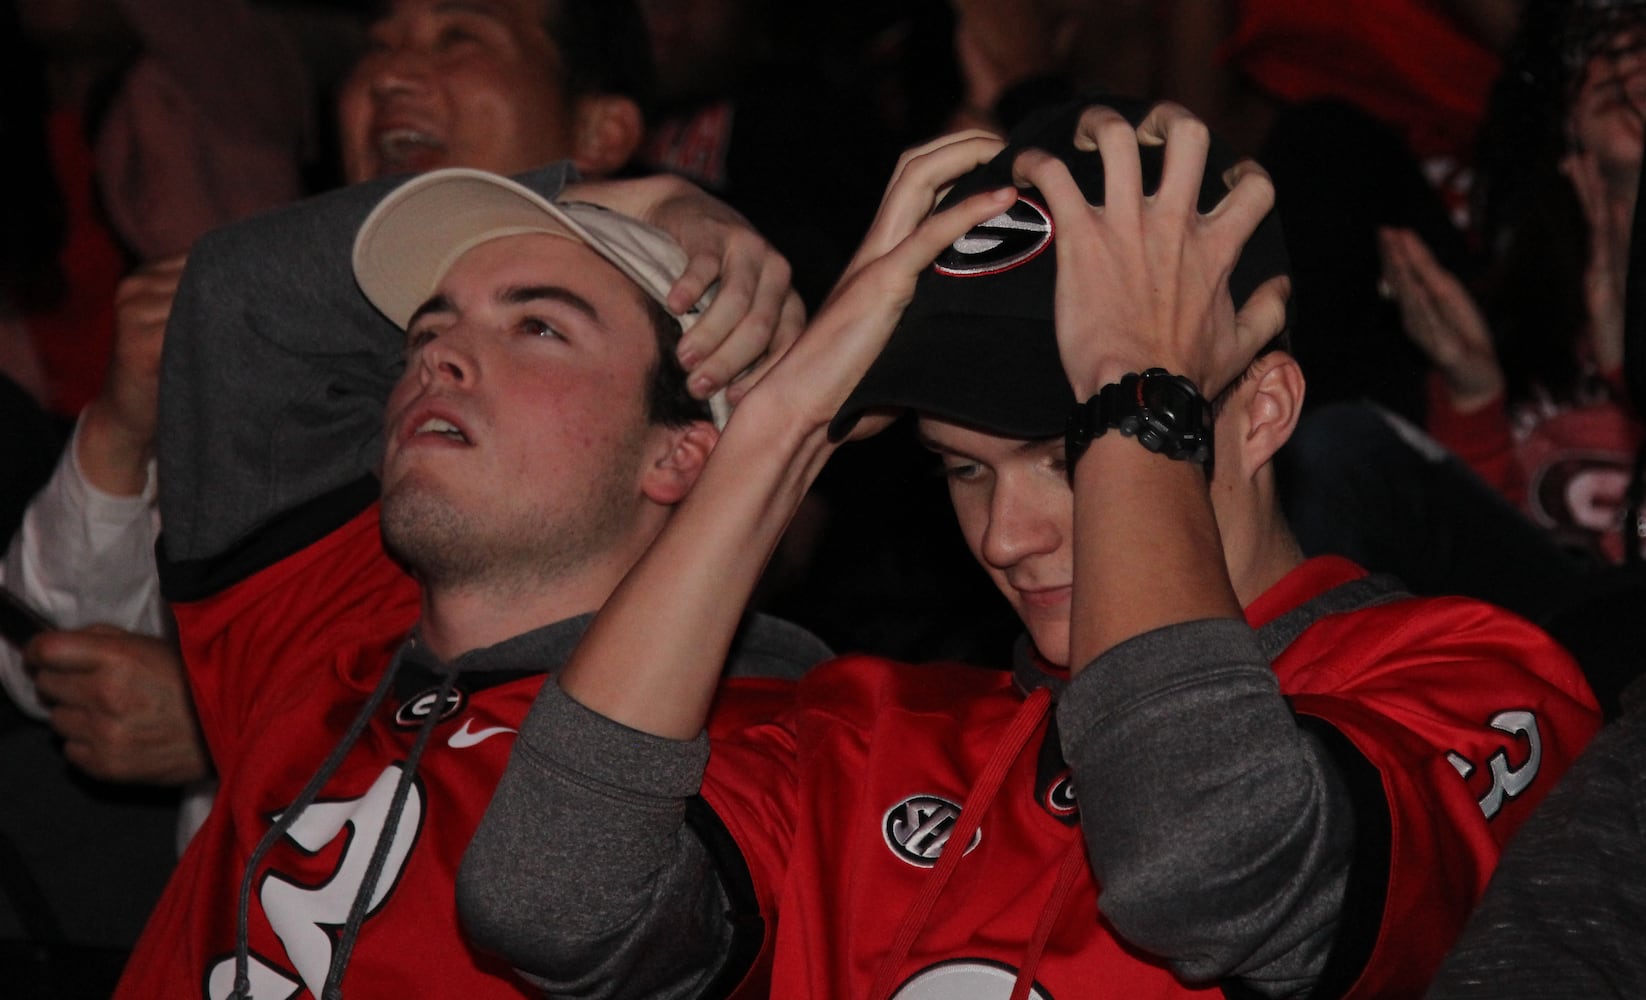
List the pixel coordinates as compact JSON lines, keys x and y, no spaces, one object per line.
{"x":964,"y":980}
{"x":305,"y":917}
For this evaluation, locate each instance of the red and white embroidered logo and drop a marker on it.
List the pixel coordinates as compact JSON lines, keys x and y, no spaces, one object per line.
{"x":1011,"y":239}
{"x":1059,"y":798}
{"x":420,"y":706}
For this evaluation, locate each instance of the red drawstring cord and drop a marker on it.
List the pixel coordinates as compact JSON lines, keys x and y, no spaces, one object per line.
{"x":1011,"y":744}
{"x":1074,"y":862}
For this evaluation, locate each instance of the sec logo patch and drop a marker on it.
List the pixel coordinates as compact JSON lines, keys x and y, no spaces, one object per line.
{"x":917,"y":829}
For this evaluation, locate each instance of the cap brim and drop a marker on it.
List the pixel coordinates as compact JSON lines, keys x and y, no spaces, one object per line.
{"x":1002,"y":375}
{"x":416,"y":233}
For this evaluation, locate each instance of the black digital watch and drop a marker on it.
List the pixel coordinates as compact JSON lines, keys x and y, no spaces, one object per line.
{"x":1165,"y":412}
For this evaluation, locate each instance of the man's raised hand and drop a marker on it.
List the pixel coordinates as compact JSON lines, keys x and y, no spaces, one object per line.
{"x":1143,"y":280}
{"x":853,"y":326}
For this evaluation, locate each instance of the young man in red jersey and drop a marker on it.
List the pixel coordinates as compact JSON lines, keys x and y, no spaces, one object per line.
{"x":500,"y":85}
{"x":359,"y":708}
{"x":1292,"y":779}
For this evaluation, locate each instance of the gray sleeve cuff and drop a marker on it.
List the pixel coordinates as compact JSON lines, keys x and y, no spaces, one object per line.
{"x":582,"y":742}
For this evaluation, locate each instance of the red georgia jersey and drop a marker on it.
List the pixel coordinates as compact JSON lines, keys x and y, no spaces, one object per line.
{"x":842,"y":805}
{"x":280,"y":664}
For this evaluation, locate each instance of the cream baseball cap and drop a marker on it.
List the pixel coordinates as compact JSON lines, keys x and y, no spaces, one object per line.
{"x":416,"y":233}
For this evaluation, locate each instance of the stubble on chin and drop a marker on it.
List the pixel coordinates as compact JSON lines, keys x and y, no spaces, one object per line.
{"x":429,"y":537}
{"x":511,"y":551}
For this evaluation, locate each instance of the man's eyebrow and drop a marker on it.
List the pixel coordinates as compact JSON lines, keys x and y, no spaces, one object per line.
{"x":1039,"y":444}
{"x":517,"y":295}
{"x":937,"y":447}
{"x":437,"y":304}
{"x":468,"y":7}
{"x":384,"y":11}
{"x":924,"y":441}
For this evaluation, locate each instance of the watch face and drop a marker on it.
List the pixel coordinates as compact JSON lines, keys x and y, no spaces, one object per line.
{"x":1178,"y":417}
{"x":1170,"y":402}
{"x":1164,"y":412}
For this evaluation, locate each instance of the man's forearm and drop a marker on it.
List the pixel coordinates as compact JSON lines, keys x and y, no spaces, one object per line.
{"x":1147,"y":548}
{"x":84,"y":556}
{"x":81,"y":557}
{"x":697,"y":578}
{"x":1219,"y":829}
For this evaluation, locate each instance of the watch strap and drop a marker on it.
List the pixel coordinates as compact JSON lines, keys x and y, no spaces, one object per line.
{"x":1165,"y":413}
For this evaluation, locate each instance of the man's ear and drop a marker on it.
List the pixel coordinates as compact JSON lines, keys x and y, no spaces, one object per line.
{"x":679,"y":459}
{"x":606,"y":131}
{"x":1271,"y":402}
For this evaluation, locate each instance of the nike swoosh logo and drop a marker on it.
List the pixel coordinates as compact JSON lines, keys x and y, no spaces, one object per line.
{"x":468,"y":737}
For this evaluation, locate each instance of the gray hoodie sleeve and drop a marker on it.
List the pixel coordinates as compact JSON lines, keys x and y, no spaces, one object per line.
{"x":590,"y":870}
{"x":1218,"y":827}
{"x":583,"y":874}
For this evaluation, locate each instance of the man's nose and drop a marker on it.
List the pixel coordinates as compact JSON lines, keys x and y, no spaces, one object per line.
{"x":1022,"y":523}
{"x":450,"y":357}
{"x":399,"y":69}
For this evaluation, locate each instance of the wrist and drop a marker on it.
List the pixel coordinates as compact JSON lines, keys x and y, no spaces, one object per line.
{"x":112,"y":457}
{"x":1164,"y":412}
{"x":1605,"y":345}
{"x":1101,"y":374}
{"x":1470,"y":395}
{"x":1110,"y":370}
{"x":782,"y":421}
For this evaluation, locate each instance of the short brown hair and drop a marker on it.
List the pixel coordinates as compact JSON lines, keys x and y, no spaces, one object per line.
{"x":667,"y":400}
